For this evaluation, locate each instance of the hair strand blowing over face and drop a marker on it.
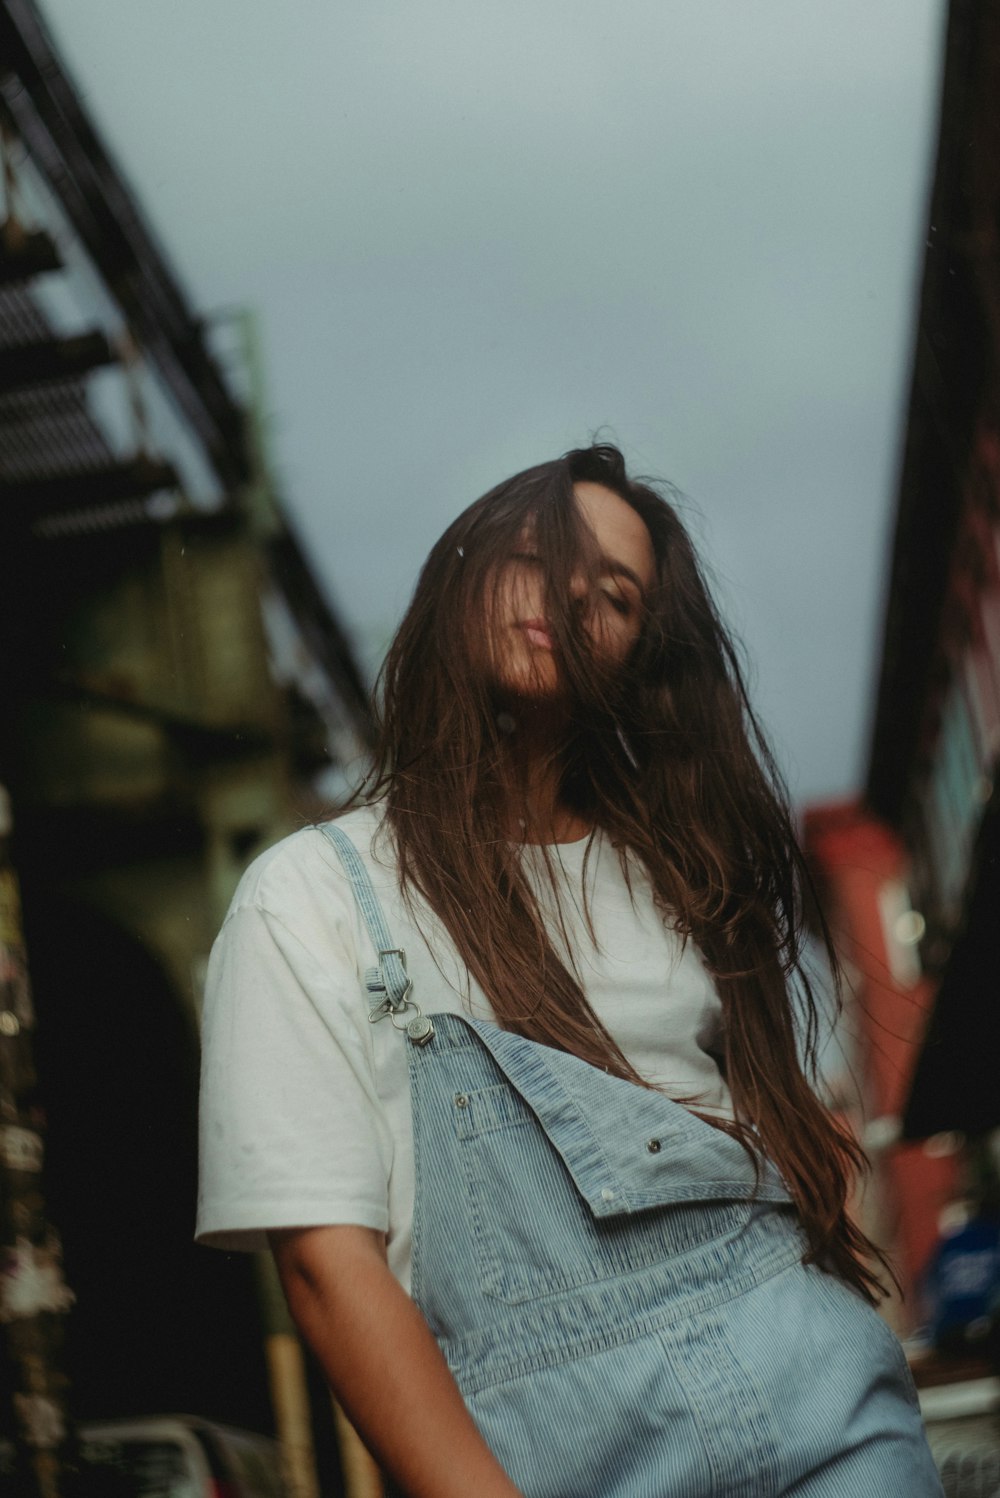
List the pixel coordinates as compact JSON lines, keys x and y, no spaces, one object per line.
{"x":665,"y":755}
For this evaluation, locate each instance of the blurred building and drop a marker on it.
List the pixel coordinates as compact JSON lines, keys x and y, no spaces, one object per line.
{"x":912,"y":875}
{"x":177,"y":692}
{"x":862,"y":870}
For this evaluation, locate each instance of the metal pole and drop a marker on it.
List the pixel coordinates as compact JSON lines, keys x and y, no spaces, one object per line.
{"x":33,"y":1294}
{"x":362,"y":1478}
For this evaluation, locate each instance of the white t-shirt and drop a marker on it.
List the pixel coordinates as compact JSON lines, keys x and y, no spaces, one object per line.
{"x":305,"y":1109}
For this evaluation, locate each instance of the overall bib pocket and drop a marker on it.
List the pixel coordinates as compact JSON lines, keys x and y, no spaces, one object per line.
{"x":539,"y":1229}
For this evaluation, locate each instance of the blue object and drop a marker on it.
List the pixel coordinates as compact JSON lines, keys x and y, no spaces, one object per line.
{"x":962,"y":1283}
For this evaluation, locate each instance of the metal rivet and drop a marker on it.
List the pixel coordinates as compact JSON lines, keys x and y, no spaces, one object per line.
{"x":461,"y":1100}
{"x":607,"y":1195}
{"x":653,"y":1145}
{"x":420,"y":1029}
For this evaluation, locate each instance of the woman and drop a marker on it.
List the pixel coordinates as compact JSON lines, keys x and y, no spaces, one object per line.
{"x":520,"y":1036}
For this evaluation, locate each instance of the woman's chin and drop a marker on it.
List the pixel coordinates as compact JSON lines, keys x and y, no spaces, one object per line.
{"x":536,"y":684}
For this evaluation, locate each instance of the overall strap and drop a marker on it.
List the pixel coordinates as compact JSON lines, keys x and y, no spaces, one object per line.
{"x":388,"y":981}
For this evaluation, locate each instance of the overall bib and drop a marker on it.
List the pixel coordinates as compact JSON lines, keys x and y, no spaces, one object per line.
{"x":621,"y":1301}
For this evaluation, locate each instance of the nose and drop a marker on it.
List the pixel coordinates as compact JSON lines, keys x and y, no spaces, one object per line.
{"x":579,"y":586}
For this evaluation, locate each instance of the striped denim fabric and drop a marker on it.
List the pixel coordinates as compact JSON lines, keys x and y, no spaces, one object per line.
{"x":625,"y":1307}
{"x":622,"y":1301}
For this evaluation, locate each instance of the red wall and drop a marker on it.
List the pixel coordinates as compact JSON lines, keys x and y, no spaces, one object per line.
{"x":855,"y":857}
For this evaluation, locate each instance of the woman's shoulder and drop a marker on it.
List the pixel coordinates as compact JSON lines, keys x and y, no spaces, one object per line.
{"x":304,"y":867}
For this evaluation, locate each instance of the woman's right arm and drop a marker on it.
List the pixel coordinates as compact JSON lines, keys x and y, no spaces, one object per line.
{"x":383,"y":1364}
{"x":292,"y":1127}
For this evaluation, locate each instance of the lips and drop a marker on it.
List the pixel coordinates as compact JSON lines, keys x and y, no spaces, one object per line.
{"x":537,"y":633}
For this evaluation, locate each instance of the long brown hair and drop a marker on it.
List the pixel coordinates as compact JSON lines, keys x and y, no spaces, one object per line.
{"x":665,"y":755}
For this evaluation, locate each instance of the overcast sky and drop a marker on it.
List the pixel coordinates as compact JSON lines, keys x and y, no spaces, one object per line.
{"x":478,"y":234}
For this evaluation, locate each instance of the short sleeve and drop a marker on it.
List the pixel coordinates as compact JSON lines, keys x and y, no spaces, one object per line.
{"x":292,"y":1132}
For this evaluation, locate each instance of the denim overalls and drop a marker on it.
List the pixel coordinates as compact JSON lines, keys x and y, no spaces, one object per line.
{"x":623,"y":1306}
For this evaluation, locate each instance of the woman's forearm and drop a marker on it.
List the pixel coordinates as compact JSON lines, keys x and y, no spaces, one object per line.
{"x":383,"y":1363}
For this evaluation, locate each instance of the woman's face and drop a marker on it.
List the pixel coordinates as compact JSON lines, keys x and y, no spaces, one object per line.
{"x":611,"y":603}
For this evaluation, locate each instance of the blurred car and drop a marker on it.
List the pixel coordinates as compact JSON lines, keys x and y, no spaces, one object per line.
{"x":178,"y":1456}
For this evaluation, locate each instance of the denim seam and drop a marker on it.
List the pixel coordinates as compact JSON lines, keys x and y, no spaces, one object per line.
{"x":650,"y":1323}
{"x":705,"y":1419}
{"x":536,"y":1287}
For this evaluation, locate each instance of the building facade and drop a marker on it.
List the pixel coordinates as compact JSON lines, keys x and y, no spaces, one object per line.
{"x":177,"y":692}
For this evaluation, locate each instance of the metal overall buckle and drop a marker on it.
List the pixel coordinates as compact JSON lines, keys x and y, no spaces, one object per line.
{"x":419,"y":1028}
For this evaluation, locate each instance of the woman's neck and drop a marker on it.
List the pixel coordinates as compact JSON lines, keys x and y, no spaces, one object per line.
{"x":544,"y":817}
{"x":539,"y":814}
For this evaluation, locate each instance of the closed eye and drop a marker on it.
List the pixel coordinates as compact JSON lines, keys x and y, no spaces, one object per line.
{"x":618,"y":602}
